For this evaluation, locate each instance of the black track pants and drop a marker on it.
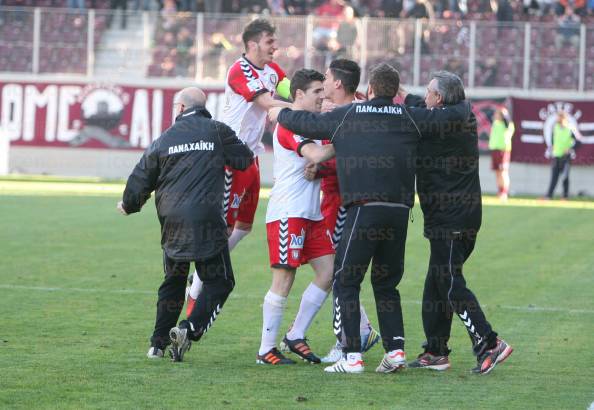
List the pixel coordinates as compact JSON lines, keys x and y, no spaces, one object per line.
{"x":446,"y":292}
{"x":217,"y":275}
{"x":377,"y":234}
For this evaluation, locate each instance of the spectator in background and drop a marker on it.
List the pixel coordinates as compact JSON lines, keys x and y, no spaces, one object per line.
{"x":168,"y":15}
{"x":168,"y":66}
{"x":297,"y":7}
{"x":276,"y":7}
{"x":420,"y":10}
{"x":118,"y":4}
{"x":186,"y":54}
{"x":488,"y":76}
{"x":75,"y":4}
{"x":578,"y":6}
{"x":146,"y":5}
{"x":346,"y":36}
{"x":504,"y":11}
{"x":330,"y":13}
{"x":568,"y":30}
{"x":213,"y":6}
{"x":500,"y":144}
{"x":391,"y":8}
{"x":561,"y":151}
{"x":188,"y":5}
{"x":456,"y":66}
{"x":254,"y":6}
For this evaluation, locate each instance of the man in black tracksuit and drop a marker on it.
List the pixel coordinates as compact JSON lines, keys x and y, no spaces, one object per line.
{"x":185,"y":168}
{"x":375,"y":144}
{"x":450,"y":195}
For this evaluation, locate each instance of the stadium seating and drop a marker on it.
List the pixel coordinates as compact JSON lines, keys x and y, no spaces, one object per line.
{"x":445,"y":44}
{"x":63,"y":37}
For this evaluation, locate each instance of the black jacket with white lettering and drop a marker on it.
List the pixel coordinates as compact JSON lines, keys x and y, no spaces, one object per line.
{"x":376,"y":146}
{"x":185,"y":168}
{"x":448,"y":177}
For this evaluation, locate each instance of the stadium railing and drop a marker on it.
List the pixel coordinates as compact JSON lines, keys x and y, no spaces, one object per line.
{"x":517,"y":55}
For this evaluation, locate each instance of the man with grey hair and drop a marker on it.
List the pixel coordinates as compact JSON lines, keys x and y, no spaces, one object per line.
{"x":375,"y":143}
{"x":186,"y":168}
{"x":450,"y":194}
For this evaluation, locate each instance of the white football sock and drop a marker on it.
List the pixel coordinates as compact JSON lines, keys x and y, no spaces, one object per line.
{"x":272,"y":315}
{"x":364,"y":324}
{"x":312,"y":300}
{"x":196,"y":286}
{"x":236,"y":236}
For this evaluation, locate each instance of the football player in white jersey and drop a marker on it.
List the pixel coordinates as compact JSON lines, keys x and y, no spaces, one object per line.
{"x":296,"y":232}
{"x":251,"y":84}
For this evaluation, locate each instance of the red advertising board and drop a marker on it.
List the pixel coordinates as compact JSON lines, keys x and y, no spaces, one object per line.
{"x":93,"y":115}
{"x":535,"y":119}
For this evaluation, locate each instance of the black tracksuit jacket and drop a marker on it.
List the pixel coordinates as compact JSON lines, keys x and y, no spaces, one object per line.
{"x":376,"y":145}
{"x":448,"y":176}
{"x":185,"y":168}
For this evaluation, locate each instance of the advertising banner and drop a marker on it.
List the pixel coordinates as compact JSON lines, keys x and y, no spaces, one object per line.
{"x":535,"y":120}
{"x":90,"y":115}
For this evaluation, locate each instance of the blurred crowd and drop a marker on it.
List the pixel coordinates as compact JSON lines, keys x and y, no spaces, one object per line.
{"x":501,"y":10}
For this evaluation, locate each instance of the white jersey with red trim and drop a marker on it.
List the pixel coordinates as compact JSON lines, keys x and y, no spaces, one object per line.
{"x":245,"y":82}
{"x":292,"y":195}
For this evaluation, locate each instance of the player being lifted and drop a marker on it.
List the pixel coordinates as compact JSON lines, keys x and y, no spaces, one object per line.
{"x":340,"y":86}
{"x":252,"y":81}
{"x":296,"y":232}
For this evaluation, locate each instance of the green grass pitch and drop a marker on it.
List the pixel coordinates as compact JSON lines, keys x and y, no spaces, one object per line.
{"x":78,"y":288}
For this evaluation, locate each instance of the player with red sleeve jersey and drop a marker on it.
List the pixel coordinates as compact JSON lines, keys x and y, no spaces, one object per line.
{"x":252,"y":81}
{"x":340,"y":85}
{"x":296,"y":232}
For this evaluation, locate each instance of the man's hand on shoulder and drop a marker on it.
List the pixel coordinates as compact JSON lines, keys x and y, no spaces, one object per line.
{"x":120,"y":207}
{"x":273,"y":113}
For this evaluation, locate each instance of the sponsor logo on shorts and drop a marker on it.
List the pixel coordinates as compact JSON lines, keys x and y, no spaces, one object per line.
{"x":297,"y":240}
{"x":237,"y":200}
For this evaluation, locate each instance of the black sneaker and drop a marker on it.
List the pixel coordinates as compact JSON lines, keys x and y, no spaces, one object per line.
{"x":301,"y":349}
{"x":491,"y":357}
{"x":273,"y":357}
{"x":428,"y":361}
{"x":180,"y":343}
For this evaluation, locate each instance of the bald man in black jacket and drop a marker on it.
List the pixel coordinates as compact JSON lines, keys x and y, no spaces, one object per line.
{"x":185,"y":168}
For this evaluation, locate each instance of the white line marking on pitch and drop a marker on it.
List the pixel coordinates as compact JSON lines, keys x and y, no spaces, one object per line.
{"x":237,"y":296}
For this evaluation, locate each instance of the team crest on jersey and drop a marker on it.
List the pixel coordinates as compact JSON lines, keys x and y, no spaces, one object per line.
{"x":273,"y":78}
{"x":297,"y":240}
{"x":237,"y":200}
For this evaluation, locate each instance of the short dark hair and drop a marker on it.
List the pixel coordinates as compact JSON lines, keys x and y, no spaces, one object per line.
{"x":303,"y":78}
{"x":348,"y":72}
{"x":384,"y":80}
{"x":449,"y":86}
{"x":254,"y":30}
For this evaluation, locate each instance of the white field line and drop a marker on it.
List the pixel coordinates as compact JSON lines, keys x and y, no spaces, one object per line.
{"x":242,"y":296}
